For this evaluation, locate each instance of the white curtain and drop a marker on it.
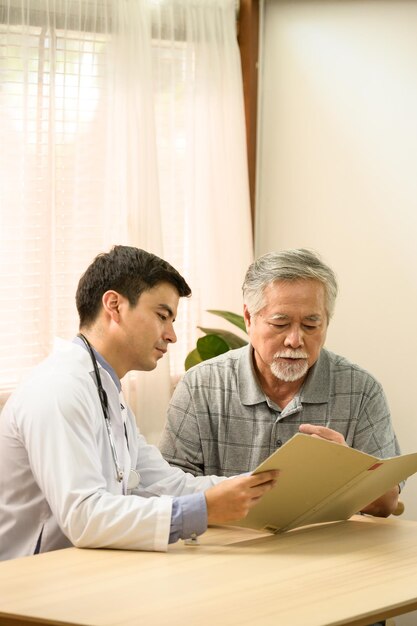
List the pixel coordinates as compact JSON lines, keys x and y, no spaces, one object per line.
{"x":121,"y":121}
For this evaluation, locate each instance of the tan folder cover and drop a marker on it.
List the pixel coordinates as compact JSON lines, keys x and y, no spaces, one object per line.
{"x":322,"y":481}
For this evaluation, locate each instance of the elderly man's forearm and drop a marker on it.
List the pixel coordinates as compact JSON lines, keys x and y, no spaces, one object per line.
{"x":385,"y":505}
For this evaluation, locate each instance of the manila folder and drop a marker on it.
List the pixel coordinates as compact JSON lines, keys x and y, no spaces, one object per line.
{"x":322,"y":481}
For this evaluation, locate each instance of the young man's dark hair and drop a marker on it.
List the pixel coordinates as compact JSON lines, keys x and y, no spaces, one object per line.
{"x":129,"y":271}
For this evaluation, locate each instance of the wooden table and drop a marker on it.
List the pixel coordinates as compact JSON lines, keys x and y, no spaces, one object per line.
{"x":350,"y":572}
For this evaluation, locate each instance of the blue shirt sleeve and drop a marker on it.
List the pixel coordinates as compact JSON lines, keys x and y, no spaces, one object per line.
{"x":188,"y":517}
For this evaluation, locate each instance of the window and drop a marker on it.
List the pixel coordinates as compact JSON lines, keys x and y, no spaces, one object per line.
{"x":50,"y":131}
{"x":120,"y":122}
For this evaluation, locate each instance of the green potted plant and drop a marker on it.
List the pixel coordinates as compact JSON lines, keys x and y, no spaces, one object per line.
{"x":216,"y":340}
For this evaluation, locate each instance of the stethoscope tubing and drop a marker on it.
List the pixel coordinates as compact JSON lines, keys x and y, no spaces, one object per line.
{"x":104,"y":406}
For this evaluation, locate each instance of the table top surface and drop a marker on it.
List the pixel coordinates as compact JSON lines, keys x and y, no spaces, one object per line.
{"x":349,"y":572}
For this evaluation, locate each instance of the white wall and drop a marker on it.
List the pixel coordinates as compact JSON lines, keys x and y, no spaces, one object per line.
{"x":337,"y":172}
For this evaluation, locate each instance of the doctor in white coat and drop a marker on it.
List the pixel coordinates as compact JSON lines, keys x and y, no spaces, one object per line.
{"x":73,"y":468}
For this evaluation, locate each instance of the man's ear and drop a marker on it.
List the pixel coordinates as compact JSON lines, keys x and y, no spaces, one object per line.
{"x":111,"y":302}
{"x":246,"y":317}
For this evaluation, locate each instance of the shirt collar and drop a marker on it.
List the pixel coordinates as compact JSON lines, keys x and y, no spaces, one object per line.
{"x":102,"y":361}
{"x":250,"y":391}
{"x":316,"y":386}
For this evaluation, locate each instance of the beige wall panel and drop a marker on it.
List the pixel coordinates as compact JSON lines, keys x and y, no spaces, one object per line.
{"x":337,"y":172}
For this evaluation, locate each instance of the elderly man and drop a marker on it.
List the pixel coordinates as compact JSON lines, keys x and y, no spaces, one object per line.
{"x":229,"y":413}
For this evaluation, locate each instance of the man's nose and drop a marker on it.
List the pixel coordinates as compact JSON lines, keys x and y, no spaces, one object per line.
{"x":294,"y":338}
{"x":169,"y":335}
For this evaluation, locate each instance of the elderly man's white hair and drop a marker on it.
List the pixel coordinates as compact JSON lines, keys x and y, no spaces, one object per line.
{"x":288,"y":266}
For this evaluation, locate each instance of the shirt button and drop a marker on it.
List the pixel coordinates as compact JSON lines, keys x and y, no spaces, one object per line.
{"x":279,"y":443}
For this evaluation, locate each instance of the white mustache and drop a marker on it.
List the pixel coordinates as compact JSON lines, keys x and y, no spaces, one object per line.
{"x":291,"y":354}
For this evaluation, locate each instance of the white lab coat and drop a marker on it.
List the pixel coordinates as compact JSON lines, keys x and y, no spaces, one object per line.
{"x":57,"y":475}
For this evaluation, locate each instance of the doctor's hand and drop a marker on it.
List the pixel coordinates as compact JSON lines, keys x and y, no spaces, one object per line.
{"x":322,"y":432}
{"x":232,"y":499}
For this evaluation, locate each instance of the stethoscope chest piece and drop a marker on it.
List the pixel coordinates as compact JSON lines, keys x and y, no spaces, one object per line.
{"x":133,"y":480}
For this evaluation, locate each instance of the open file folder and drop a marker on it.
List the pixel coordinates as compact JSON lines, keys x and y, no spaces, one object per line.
{"x":323,"y":481}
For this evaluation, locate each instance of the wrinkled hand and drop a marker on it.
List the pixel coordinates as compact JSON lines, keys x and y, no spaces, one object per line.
{"x":232,"y":499}
{"x":321,"y":432}
{"x":383,"y":506}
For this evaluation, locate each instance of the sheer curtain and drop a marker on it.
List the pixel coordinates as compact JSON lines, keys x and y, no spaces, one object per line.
{"x":121,"y":121}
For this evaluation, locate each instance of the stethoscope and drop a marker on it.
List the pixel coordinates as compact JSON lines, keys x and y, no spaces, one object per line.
{"x":134,"y":478}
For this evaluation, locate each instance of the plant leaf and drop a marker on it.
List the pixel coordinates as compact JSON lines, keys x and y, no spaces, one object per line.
{"x":232,"y":340}
{"x":210,"y":346}
{"x":233,"y":318}
{"x":193,"y":358}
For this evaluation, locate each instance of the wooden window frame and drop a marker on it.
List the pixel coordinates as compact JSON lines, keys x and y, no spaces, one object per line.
{"x":248,"y":39}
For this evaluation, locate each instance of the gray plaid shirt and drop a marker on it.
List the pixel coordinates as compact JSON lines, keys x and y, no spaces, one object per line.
{"x":221,"y":422}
